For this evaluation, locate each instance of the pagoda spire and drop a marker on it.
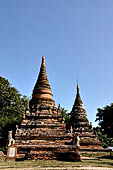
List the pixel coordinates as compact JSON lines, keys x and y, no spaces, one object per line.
{"x":42,"y":90}
{"x":78,"y":100}
{"x":78,"y":113}
{"x":80,"y":124}
{"x":42,"y":80}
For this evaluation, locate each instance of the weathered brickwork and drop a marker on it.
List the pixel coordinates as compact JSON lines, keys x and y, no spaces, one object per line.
{"x":43,"y":133}
{"x":81,"y":125}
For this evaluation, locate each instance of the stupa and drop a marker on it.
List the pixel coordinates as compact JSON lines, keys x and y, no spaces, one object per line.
{"x":42,"y":134}
{"x":81,"y":126}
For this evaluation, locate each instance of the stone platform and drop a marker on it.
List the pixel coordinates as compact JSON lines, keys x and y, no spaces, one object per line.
{"x":50,"y":152}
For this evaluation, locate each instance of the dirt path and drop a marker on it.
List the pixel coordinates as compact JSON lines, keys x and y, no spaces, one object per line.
{"x":63,"y":168}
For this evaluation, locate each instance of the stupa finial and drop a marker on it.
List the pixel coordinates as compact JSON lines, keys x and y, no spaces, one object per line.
{"x":77,"y":87}
{"x":43,"y":60}
{"x":78,"y":100}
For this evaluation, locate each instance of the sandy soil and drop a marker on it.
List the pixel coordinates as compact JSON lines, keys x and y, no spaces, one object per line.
{"x":77,"y":168}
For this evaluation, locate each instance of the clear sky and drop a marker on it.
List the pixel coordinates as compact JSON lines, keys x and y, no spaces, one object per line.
{"x":75,"y":36}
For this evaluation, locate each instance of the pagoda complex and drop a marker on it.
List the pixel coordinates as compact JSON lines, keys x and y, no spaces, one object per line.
{"x":42,"y":133}
{"x":81,"y":126}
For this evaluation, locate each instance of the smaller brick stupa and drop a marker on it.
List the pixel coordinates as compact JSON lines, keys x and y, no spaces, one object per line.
{"x":81,"y":126}
{"x":42,"y":134}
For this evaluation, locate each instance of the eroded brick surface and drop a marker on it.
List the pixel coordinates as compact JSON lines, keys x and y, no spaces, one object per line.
{"x":42,"y":134}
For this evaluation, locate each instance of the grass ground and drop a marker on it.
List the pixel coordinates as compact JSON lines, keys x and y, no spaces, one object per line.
{"x":93,"y":160}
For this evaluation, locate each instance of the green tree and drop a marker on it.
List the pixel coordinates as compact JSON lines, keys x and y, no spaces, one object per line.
{"x":105,"y":118}
{"x":66,"y":117}
{"x":12,"y":107}
{"x":105,"y":128}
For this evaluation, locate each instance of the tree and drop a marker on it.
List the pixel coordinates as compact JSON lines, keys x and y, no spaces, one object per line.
{"x":105,"y":118}
{"x":66,"y":117}
{"x":12,"y":107}
{"x":105,"y":128}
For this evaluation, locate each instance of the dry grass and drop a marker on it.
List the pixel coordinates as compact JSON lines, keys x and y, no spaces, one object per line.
{"x":101,"y":160}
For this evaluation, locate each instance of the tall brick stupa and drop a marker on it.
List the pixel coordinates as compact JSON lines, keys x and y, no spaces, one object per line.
{"x":81,"y":126}
{"x":42,"y":134}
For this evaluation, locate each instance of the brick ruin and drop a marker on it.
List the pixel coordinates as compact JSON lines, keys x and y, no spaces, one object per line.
{"x":42,"y":134}
{"x":81,"y":126}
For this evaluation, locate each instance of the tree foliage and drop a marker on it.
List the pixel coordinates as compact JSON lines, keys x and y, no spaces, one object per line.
{"x":105,"y":128}
{"x":105,"y":118}
{"x":66,"y":117}
{"x":106,"y":141}
{"x":12,"y":107}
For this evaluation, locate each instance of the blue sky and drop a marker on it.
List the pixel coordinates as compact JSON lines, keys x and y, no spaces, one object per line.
{"x":75,"y":36}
